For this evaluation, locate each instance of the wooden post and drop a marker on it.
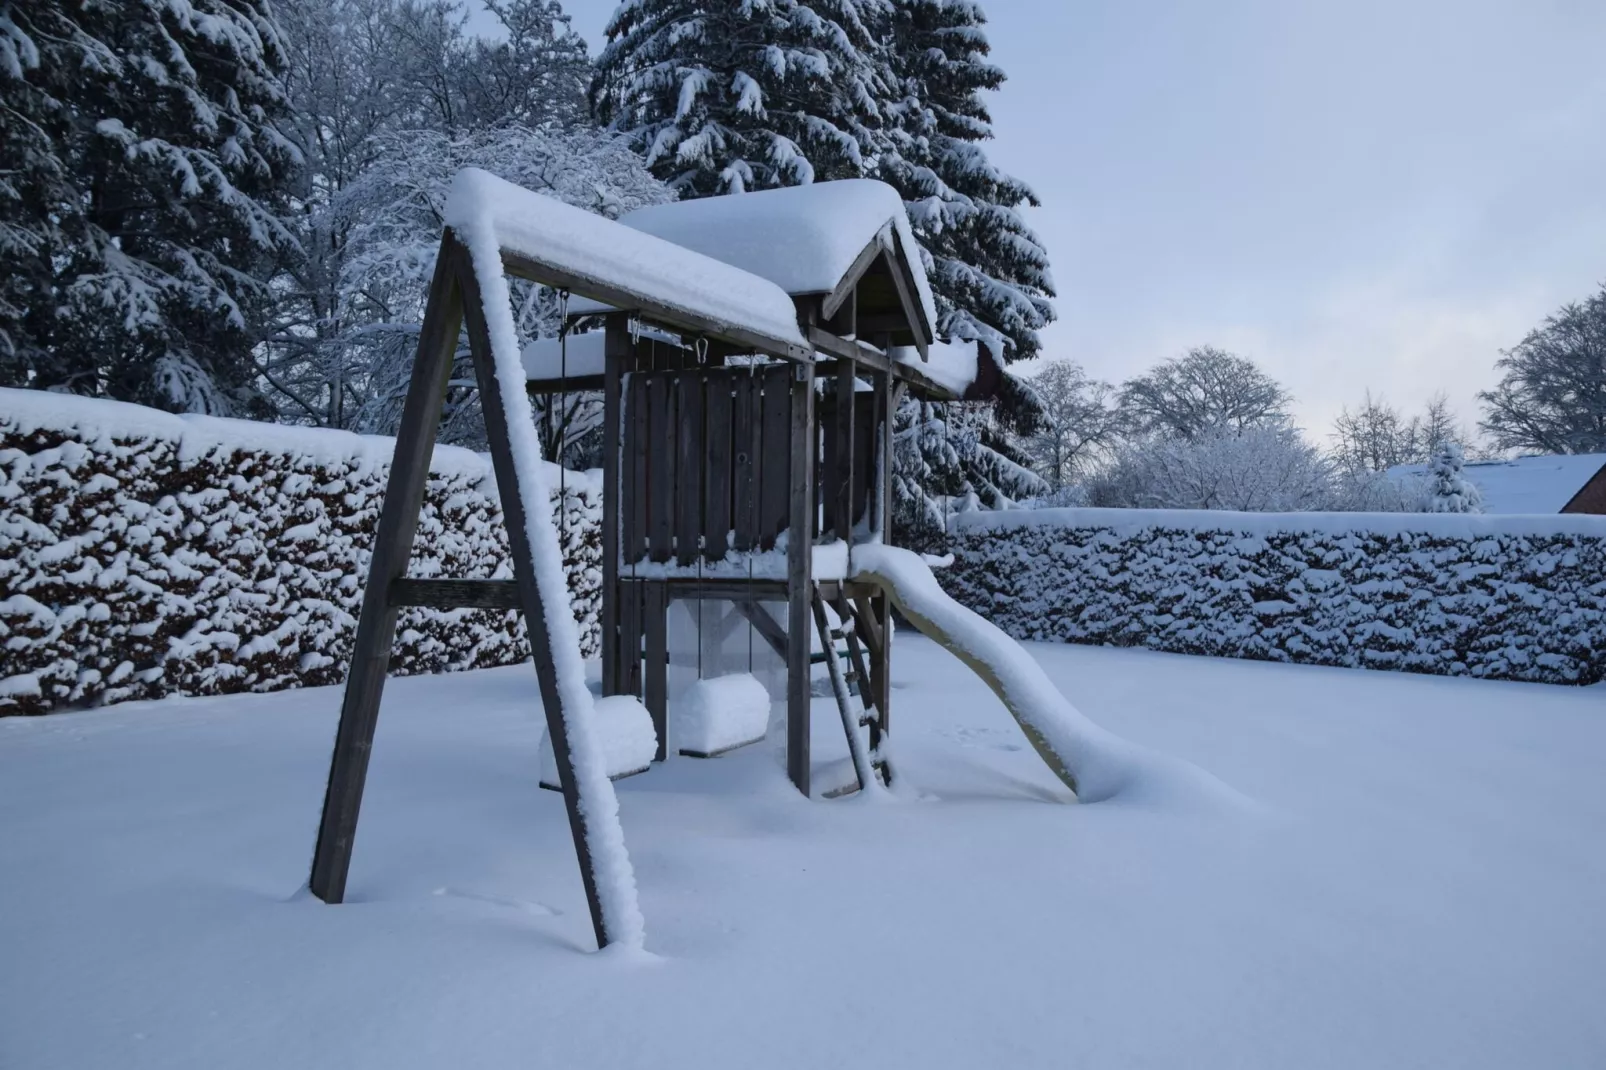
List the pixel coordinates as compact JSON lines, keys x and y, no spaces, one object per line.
{"x":717,"y":465}
{"x":393,"y":545}
{"x":511,"y":490}
{"x":692,"y":459}
{"x":660,"y":457}
{"x":655,"y":681}
{"x":846,"y":387}
{"x":630,"y":637}
{"x":616,"y":349}
{"x":800,"y":580}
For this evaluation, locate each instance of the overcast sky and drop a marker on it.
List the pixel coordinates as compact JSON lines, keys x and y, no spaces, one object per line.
{"x":1355,"y":193}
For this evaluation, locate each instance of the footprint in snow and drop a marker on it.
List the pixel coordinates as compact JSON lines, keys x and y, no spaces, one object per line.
{"x":524,"y":906}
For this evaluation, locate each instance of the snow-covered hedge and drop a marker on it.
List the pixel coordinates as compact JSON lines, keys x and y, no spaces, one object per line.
{"x":144,"y":554}
{"x":1516,"y":598}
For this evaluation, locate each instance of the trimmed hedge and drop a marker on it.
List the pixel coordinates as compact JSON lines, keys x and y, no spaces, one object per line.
{"x":1511,"y":598}
{"x":144,"y":554}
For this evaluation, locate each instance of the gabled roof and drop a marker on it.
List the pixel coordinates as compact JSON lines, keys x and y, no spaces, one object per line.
{"x":1541,"y":485}
{"x":822,"y":238}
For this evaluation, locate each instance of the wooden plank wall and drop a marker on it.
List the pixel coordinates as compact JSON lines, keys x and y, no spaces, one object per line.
{"x":834,"y":441}
{"x":705,"y":462}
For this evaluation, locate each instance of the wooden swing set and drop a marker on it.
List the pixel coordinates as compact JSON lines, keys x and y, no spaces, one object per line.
{"x":761,"y":433}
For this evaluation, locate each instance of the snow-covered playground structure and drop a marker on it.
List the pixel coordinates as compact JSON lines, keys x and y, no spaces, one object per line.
{"x":754,"y":350}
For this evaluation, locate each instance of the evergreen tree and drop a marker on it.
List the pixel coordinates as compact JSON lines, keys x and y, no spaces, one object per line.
{"x":1449,"y":490}
{"x":145,"y":201}
{"x":989,"y":271}
{"x":724,"y":96}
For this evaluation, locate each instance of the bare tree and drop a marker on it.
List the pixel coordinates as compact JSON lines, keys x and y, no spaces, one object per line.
{"x":1078,"y":422}
{"x":1552,"y":396}
{"x":1261,"y":469}
{"x":1203,"y":392}
{"x":1439,"y":424}
{"x":1375,"y":437}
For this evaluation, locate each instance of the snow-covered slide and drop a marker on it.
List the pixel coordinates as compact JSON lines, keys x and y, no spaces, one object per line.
{"x":1093,"y":763}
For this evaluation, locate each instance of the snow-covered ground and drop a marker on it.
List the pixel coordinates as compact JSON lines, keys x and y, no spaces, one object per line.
{"x":1419,"y":884}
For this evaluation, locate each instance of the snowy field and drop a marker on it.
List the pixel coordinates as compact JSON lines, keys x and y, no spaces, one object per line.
{"x":1418,"y":884}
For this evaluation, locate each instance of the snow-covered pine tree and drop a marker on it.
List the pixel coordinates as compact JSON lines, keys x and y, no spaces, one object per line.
{"x":989,"y":271}
{"x":728,"y":95}
{"x":149,"y":201}
{"x":1449,"y":490}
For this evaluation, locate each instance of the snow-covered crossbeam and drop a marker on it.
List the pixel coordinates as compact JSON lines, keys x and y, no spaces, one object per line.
{"x":622,"y":267}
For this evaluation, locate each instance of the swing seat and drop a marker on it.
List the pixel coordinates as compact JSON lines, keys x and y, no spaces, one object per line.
{"x":722,"y":714}
{"x":623,"y":728}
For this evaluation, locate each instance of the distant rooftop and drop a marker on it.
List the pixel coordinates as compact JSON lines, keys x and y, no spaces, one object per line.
{"x":1526,"y":485}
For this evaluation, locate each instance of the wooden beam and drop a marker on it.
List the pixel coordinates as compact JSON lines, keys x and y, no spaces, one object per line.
{"x":725,"y":588}
{"x":745,"y":467}
{"x":512,"y":492}
{"x":690,"y":462}
{"x":766,"y":626}
{"x":617,"y":352}
{"x":573,"y":384}
{"x":909,"y":293}
{"x":800,"y":583}
{"x":875,"y":360}
{"x":842,"y":430}
{"x":719,"y":433}
{"x":455,"y":594}
{"x":633,"y":479}
{"x":659,"y":455}
{"x":776,"y":478}
{"x":848,"y":285}
{"x":393,"y":545}
{"x":655,"y":681}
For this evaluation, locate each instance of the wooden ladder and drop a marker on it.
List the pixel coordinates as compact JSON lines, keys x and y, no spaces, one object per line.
{"x":872,"y":761}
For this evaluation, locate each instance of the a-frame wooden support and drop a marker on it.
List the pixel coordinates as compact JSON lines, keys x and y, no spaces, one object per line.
{"x":454,"y":297}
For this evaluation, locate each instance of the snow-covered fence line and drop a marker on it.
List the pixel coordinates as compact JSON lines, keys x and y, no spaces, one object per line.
{"x":144,"y":554}
{"x":1502,"y":597}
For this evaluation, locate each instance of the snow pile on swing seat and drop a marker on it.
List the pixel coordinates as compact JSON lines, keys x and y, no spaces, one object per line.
{"x":1096,"y":764}
{"x":656,"y":275}
{"x":622,"y":729}
{"x":720,"y":714}
{"x":802,"y":238}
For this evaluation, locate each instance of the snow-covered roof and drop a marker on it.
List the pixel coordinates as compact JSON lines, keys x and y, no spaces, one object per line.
{"x":625,"y":267}
{"x":802,"y":238}
{"x":1524,"y":486}
{"x":952,"y":365}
